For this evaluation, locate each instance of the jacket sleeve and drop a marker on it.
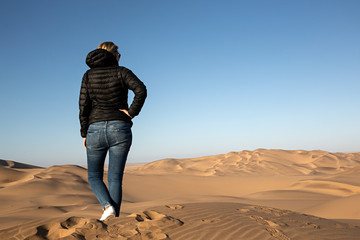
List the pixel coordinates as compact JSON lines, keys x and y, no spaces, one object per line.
{"x":84,"y":107}
{"x":134,"y":84}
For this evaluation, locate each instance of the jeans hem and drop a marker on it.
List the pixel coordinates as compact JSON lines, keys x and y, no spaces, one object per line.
{"x":106,"y":206}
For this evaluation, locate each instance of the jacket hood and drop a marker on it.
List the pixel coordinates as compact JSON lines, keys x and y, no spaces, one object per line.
{"x":101,"y":58}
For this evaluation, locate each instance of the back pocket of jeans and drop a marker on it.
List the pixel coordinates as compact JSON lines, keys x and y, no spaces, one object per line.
{"x":121,"y":136}
{"x":93,"y":139}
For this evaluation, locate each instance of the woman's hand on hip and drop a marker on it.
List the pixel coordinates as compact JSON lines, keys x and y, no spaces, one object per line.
{"x":126,"y":112}
{"x":84,"y":142}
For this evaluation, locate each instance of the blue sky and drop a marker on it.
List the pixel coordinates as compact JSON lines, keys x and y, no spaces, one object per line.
{"x":221,"y":75}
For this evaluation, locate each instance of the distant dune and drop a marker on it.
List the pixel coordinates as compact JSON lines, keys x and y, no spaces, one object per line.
{"x":251,"y":195}
{"x":261,"y":161}
{"x":13,"y":164}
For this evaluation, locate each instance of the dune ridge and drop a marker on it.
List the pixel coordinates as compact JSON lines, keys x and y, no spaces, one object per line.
{"x":14,"y":164}
{"x":260,"y":161}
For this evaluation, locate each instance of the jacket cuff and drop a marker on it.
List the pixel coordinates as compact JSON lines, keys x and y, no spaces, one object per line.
{"x":132,"y":113}
{"x":83,"y":133}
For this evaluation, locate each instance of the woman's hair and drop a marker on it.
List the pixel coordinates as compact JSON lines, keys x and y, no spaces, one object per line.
{"x":110,"y":47}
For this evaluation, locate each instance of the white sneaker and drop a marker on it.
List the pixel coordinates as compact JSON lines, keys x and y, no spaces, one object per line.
{"x":108,"y":212}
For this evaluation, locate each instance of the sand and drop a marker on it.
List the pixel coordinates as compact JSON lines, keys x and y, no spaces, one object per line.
{"x":261,"y":194}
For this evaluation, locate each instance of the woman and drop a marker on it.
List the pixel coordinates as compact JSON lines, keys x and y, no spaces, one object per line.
{"x":105,"y":119}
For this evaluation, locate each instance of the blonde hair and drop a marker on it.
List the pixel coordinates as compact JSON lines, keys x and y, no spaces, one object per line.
{"x":110,"y":47}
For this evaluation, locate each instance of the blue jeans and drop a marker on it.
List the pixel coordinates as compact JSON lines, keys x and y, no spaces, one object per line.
{"x":114,"y":137}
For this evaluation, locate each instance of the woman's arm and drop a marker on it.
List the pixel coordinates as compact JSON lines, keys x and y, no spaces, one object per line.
{"x":134,"y":84}
{"x":84,"y":107}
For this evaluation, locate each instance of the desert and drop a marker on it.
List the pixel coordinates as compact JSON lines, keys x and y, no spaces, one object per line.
{"x":260,"y":194}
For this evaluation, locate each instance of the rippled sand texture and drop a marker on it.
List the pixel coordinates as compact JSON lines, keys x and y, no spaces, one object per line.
{"x":261,"y":194}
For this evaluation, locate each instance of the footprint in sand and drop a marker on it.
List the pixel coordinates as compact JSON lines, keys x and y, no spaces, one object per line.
{"x":310,"y":225}
{"x":244,"y":210}
{"x":271,"y":227}
{"x":174,"y":207}
{"x":147,"y":216}
{"x":152,"y":224}
{"x":211,"y":220}
{"x":274,"y":211}
{"x":146,"y":225}
{"x":124,"y":230}
{"x":73,"y":227}
{"x":277,"y":234}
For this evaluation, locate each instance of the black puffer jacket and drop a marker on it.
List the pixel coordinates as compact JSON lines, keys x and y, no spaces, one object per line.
{"x":104,"y":90}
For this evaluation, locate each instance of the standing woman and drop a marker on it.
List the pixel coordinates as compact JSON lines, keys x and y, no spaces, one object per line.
{"x":105,"y":119}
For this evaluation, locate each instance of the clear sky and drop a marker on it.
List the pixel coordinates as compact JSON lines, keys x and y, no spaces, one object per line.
{"x":221,"y":75}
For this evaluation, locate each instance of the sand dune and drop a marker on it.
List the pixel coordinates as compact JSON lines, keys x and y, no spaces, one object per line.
{"x":328,"y":187}
{"x":261,"y":161}
{"x":9,"y":175}
{"x":341,"y":208}
{"x":40,"y":193}
{"x":13,"y":164}
{"x":232,"y":196}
